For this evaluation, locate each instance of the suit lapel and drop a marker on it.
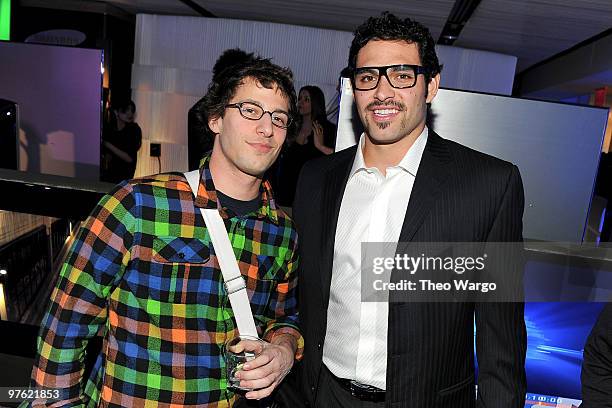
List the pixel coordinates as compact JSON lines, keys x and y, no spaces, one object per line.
{"x":334,"y":184}
{"x":433,"y":171}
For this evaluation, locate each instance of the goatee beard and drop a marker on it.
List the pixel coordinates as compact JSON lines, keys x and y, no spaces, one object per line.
{"x":383,"y":125}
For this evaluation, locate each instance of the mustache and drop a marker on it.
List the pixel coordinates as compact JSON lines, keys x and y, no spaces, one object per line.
{"x":395,"y":104}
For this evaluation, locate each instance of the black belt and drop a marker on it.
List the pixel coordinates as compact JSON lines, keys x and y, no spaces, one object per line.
{"x":360,"y":391}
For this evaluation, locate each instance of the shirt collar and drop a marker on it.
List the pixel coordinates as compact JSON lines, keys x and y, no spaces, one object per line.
{"x":409,"y":163}
{"x":207,"y":195}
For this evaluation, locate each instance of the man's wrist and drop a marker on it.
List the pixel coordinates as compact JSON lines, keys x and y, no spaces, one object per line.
{"x":286,"y":340}
{"x":296,"y":342}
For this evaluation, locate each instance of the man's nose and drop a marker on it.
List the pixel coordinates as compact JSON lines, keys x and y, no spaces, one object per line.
{"x":264,"y":125}
{"x":384,"y":90}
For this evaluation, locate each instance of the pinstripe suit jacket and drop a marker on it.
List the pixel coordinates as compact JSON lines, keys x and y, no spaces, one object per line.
{"x":459,"y":195}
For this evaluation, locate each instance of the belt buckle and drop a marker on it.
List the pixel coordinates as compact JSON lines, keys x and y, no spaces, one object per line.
{"x":357,"y":390}
{"x":354,"y":389}
{"x":363,"y":391}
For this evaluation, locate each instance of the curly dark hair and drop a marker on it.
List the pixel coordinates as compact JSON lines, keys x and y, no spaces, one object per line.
{"x":390,"y":27}
{"x":236,"y":67}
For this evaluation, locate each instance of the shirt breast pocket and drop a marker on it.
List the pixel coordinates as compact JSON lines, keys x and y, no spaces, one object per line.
{"x":263,"y":285}
{"x":177,"y":269}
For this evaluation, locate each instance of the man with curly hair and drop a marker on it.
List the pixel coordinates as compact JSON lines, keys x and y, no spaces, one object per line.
{"x":403,"y":183}
{"x":142,"y":271}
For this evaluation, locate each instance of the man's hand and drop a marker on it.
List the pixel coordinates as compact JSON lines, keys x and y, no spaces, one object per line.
{"x":265,"y":372}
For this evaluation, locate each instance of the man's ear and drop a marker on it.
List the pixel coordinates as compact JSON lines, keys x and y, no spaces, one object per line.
{"x":215,"y":124}
{"x":432,"y":88}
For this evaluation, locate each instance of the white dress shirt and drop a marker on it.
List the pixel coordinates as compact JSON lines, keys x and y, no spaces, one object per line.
{"x":372,"y":210}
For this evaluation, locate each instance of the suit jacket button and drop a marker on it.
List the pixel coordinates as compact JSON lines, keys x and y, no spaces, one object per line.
{"x":319,"y":346}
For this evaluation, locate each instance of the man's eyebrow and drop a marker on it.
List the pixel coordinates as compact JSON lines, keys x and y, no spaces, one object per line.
{"x":249,"y":100}
{"x":253,"y":101}
{"x":367,"y":69}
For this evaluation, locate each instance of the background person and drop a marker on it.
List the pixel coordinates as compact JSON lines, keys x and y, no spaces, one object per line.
{"x":199,"y":137}
{"x":121,"y":141}
{"x":597,"y":364}
{"x":316,"y":137}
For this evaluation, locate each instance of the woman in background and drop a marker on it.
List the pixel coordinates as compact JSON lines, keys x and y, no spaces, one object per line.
{"x":121,"y":141}
{"x":316,"y":137}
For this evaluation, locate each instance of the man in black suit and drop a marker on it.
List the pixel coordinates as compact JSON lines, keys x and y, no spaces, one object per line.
{"x":403,"y":183}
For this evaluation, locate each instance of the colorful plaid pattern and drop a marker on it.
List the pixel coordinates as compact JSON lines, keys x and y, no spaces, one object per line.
{"x":143,"y":274}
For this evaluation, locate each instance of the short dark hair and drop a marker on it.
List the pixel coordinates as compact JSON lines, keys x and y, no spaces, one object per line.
{"x":390,"y":27}
{"x":229,"y":75}
{"x":228,"y":58}
{"x":122,"y":104}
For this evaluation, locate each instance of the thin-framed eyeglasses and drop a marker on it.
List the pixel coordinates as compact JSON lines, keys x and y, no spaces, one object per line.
{"x":252,"y":111}
{"x":399,"y":76}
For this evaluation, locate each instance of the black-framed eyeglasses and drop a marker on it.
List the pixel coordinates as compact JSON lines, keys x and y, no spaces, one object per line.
{"x":252,"y":111}
{"x":399,"y":76}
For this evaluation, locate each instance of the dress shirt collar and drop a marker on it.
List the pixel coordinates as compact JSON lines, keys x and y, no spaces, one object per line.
{"x":409,"y":163}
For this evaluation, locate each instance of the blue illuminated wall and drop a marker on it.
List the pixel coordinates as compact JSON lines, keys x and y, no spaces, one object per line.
{"x":556,"y":334}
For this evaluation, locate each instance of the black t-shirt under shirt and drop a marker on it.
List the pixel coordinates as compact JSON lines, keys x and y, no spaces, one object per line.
{"x":239,"y":207}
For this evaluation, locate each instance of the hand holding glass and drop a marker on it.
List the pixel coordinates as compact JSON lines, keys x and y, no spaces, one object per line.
{"x":238,"y":351}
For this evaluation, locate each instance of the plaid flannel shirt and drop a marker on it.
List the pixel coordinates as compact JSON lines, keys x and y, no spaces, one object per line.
{"x":143,"y":273}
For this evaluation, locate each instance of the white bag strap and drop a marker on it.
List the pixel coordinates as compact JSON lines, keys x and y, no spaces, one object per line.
{"x":233,"y":281}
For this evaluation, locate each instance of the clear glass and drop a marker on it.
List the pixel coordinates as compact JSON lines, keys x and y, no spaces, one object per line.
{"x":237,"y":352}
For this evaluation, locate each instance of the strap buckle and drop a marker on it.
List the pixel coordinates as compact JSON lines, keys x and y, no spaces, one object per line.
{"x":234,"y":285}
